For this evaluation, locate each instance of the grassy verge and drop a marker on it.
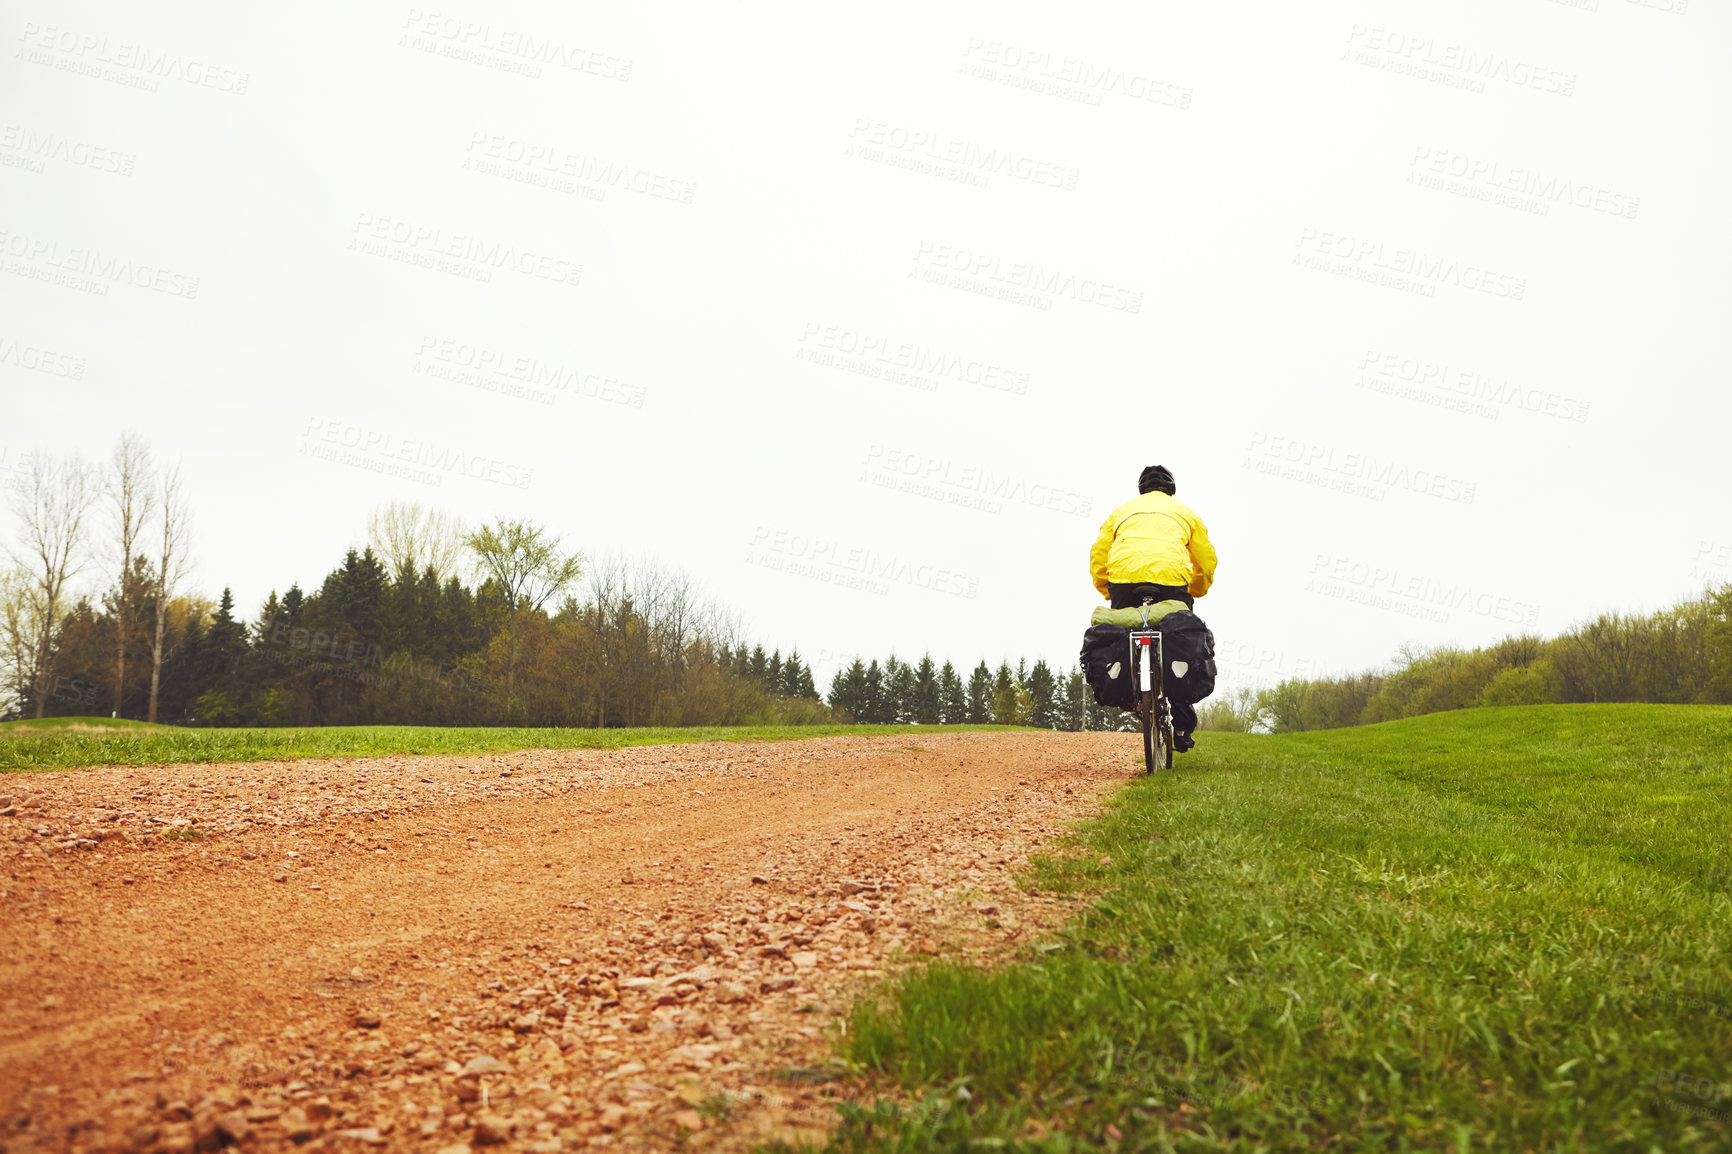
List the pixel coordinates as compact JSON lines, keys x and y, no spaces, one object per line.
{"x":66,"y":743}
{"x":1498,"y":929}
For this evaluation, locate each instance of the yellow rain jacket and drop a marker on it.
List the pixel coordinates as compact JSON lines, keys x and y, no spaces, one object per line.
{"x":1155,"y":539}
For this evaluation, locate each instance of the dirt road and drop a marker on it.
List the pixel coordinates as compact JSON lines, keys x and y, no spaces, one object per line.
{"x":644,"y":948}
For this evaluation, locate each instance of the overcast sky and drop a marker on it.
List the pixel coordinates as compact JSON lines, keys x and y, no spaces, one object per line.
{"x":869,"y":319}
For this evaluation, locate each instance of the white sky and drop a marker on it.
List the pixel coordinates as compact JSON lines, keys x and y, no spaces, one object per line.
{"x":1170,"y":175}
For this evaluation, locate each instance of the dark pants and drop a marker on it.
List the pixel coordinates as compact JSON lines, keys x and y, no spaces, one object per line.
{"x":1131,"y":597}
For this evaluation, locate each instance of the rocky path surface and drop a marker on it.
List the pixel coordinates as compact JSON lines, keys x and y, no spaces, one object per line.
{"x":650,"y":948}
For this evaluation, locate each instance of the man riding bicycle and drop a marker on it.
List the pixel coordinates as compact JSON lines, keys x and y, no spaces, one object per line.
{"x":1155,"y":547}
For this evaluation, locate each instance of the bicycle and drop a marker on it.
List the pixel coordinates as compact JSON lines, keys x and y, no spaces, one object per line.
{"x":1151,"y":702}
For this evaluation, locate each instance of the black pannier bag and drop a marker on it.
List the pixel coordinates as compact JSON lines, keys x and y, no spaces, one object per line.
{"x":1185,"y":640}
{"x":1106,"y":662}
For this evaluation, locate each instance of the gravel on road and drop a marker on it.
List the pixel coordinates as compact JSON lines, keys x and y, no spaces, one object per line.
{"x":545,"y":950}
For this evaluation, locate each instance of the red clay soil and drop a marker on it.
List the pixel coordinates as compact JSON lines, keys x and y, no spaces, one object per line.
{"x":650,"y":948}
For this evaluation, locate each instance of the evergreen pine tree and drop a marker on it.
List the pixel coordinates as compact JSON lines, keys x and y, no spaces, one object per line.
{"x":216,"y":690}
{"x":773,"y":673}
{"x":1042,"y":689}
{"x":926,"y":692}
{"x":892,"y":667}
{"x":1060,"y":703}
{"x":1004,"y":695}
{"x":760,"y":665}
{"x":355,"y":595}
{"x":872,"y":695}
{"x":183,"y":672}
{"x":980,"y":695}
{"x":225,"y":641}
{"x":404,"y":623}
{"x":458,"y":635}
{"x":270,"y":617}
{"x":1074,"y":702}
{"x":901,"y":692}
{"x":952,"y":698}
{"x":848,"y":691}
{"x":292,"y":602}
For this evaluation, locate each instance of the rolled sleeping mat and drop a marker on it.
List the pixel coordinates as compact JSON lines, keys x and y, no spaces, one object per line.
{"x":1133,"y":618}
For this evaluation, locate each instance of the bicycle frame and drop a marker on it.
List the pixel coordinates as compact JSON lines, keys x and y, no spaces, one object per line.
{"x":1148,"y":661}
{"x":1146,"y":645}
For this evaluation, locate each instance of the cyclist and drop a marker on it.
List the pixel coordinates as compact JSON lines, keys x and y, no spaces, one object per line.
{"x":1155,"y":546}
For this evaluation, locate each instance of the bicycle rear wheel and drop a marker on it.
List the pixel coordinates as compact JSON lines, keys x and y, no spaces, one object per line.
{"x":1151,"y":736}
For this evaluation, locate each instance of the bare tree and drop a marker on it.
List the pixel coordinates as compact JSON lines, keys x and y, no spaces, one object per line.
{"x":171,"y":563}
{"x":641,"y":621}
{"x":130,"y":497}
{"x":18,"y":632}
{"x":410,"y":537}
{"x":54,"y":506}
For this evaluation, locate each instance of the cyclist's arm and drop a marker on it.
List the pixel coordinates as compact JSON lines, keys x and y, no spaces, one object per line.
{"x":1202,"y":560}
{"x":1098,"y":556}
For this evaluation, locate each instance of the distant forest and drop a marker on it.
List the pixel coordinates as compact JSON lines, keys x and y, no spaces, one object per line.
{"x":434,"y":622}
{"x":431,"y":623}
{"x":1681,"y":655}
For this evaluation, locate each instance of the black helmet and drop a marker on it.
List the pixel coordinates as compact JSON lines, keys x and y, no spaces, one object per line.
{"x":1155,"y":477}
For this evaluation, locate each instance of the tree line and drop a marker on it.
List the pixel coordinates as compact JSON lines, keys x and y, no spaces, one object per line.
{"x":434,"y":622}
{"x":902,"y":693}
{"x":1681,"y":655}
{"x":431,"y":622}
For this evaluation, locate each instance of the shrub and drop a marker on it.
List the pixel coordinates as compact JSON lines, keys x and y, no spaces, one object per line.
{"x":1536,"y":684}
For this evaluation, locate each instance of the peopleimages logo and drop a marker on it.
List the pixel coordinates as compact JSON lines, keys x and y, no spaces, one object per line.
{"x":518,"y":374}
{"x":958,"y":266}
{"x":90,"y":269}
{"x":15,"y":470}
{"x":1461,"y":389}
{"x":460,"y":254}
{"x":1065,"y":76}
{"x":904,"y":362}
{"x":971,"y":486}
{"x":1414,"y":594}
{"x":40,"y":360}
{"x":507,"y":49}
{"x":132,"y":64}
{"x":343,"y":442}
{"x":34,"y":149}
{"x":1423,"y":57}
{"x":1513,"y":185}
{"x":1358,"y":474}
{"x":1713,"y":561}
{"x":544,"y":164}
{"x":920,"y":148}
{"x":356,"y":659}
{"x":827,"y":560}
{"x":1377,"y":260}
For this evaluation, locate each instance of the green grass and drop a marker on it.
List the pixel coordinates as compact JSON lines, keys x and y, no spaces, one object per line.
{"x":70,"y":742}
{"x":1489,"y":930}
